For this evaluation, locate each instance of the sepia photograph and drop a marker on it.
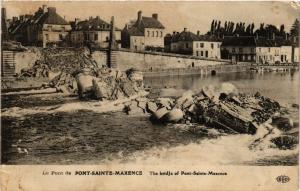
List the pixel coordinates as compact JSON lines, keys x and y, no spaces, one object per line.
{"x":151,"y":83}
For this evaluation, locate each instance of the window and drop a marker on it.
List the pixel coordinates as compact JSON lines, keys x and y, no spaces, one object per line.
{"x":197,"y":53}
{"x":269,"y":49}
{"x":201,"y":53}
{"x":107,"y":39}
{"x":47,"y":37}
{"x":259,"y":49}
{"x":201,"y":45}
{"x":85,"y":36}
{"x":206,"y":54}
{"x":96,"y":37}
{"x":161,"y":33}
{"x":187,"y":45}
{"x":152,"y":33}
{"x":148,"y":33}
{"x":60,"y":37}
{"x":212,"y":45}
{"x":156,"y":33}
{"x":240,"y":49}
{"x":233,"y":50}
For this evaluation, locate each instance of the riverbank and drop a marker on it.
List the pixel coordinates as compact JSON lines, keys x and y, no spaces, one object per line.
{"x":73,"y":136}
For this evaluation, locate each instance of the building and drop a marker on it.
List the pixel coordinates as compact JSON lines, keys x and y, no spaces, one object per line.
{"x":147,"y":33}
{"x":257,"y":49}
{"x":93,"y":30}
{"x":238,"y":48}
{"x":295,"y":49}
{"x":182,"y":43}
{"x":207,"y":47}
{"x":17,"y":30}
{"x":203,"y":46}
{"x":44,"y":28}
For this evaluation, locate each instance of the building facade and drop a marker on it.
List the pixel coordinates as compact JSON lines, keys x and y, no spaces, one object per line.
{"x":93,"y":31}
{"x":256,"y":49}
{"x":238,"y":49}
{"x":147,"y":33}
{"x":207,"y":47}
{"x":203,"y":46}
{"x":44,"y":28}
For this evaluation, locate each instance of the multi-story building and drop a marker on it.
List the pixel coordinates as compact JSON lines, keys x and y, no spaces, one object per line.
{"x":182,"y":43}
{"x":238,"y":48}
{"x":203,"y":46}
{"x":95,"y":31}
{"x":46,"y":27}
{"x":207,"y":47}
{"x":147,"y":33}
{"x":257,"y":49}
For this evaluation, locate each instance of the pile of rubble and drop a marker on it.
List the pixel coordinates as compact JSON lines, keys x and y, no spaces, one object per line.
{"x":64,"y":64}
{"x":108,"y":84}
{"x":224,"y":109}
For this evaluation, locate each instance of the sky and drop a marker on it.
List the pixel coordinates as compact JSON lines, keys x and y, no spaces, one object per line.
{"x":174,"y":15}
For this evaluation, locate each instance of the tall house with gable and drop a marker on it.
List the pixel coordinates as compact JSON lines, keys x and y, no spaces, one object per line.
{"x":147,"y":33}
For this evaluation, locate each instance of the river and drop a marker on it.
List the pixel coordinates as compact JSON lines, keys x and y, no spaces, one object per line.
{"x":86,"y":136}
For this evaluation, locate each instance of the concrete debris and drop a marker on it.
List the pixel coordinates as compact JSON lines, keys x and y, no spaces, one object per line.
{"x":225,"y":110}
{"x":173,"y":116}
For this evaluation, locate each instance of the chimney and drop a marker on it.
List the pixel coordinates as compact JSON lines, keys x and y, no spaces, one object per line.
{"x":198,"y":33}
{"x":97,"y":17}
{"x":77,"y":21}
{"x":155,"y":16}
{"x":51,"y":10}
{"x":184,"y":29}
{"x":139,"y":19}
{"x":21,"y":17}
{"x":44,"y":7}
{"x":14,"y":19}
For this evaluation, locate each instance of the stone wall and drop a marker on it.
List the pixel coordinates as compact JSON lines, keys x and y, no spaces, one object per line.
{"x":147,"y":61}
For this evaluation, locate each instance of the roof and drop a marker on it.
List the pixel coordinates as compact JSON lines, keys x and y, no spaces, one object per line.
{"x":188,"y":36}
{"x":133,"y":31}
{"x":209,"y":38}
{"x":50,"y":17}
{"x":239,"y":41}
{"x":93,"y":24}
{"x":148,"y":22}
{"x":138,"y":28}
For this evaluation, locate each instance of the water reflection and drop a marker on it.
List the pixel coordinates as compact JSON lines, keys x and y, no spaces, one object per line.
{"x":283,"y":86}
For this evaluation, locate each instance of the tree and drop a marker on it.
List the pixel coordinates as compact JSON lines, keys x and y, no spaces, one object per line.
{"x":295,"y":30}
{"x":212,"y":27}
